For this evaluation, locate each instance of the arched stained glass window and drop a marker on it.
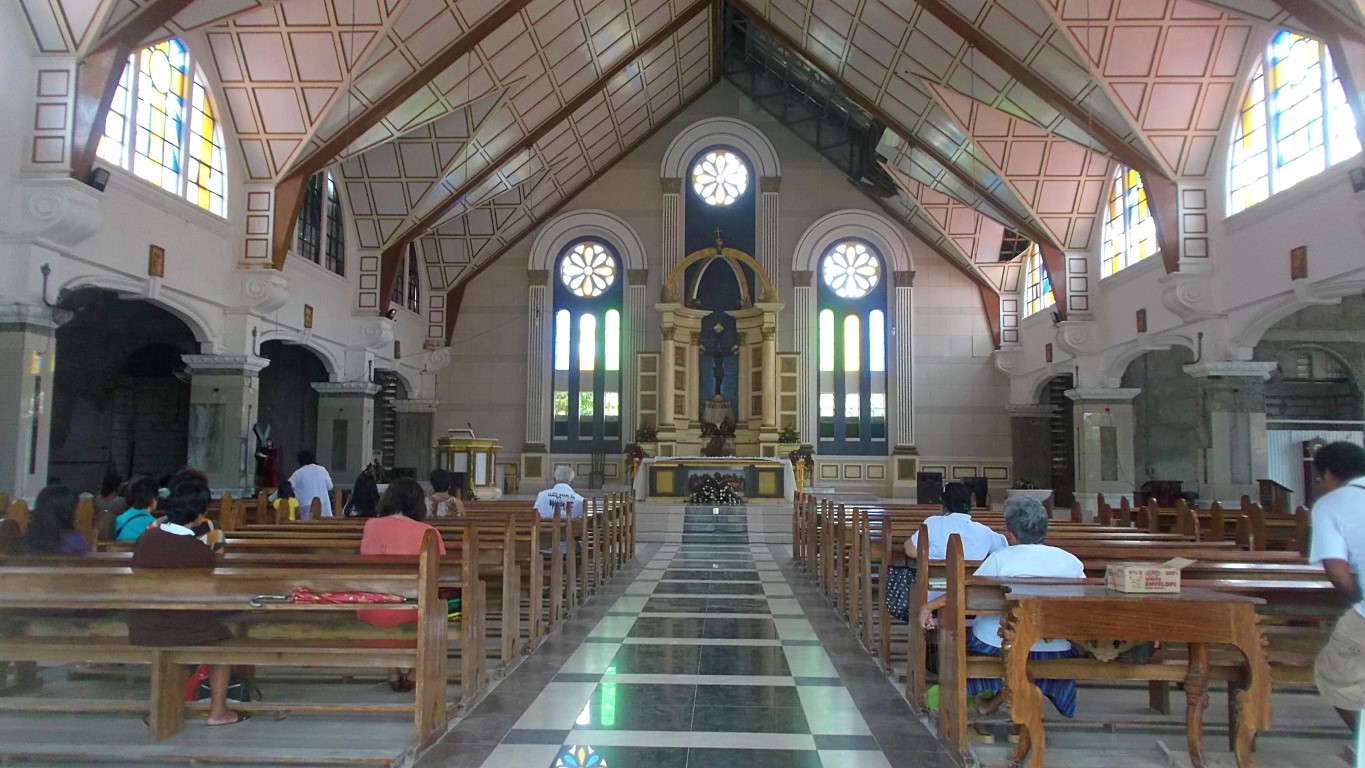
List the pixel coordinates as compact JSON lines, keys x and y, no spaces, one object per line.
{"x":586,"y":401}
{"x":1037,"y":285}
{"x":320,"y":231}
{"x":1129,"y":230}
{"x":407,"y":291}
{"x":1294,"y":122}
{"x":163,"y":126}
{"x":852,"y":351}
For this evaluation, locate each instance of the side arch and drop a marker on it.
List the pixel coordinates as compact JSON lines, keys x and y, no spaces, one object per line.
{"x":720,"y":130}
{"x":769,"y":293}
{"x":564,"y":229}
{"x":144,"y":290}
{"x":829,"y":229}
{"x":330,"y":361}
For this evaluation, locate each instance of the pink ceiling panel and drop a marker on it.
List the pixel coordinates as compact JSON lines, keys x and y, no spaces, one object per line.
{"x":1065,"y":159}
{"x":1172,"y":106}
{"x":1058,"y":196}
{"x":265,"y":56}
{"x":1186,"y":51}
{"x":1025,"y":158}
{"x":315,"y":56}
{"x":1131,"y":51}
{"x":279,"y":110}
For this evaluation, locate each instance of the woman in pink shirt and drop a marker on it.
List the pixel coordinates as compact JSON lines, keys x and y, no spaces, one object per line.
{"x":397,"y":531}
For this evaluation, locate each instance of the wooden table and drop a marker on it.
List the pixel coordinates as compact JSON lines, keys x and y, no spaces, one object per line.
{"x":1197,"y":617}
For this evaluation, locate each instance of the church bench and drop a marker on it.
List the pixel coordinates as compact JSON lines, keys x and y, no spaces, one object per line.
{"x":32,"y":599}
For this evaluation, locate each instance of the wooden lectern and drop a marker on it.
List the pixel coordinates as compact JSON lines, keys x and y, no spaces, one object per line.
{"x":1274,"y":497}
{"x":474,"y":458}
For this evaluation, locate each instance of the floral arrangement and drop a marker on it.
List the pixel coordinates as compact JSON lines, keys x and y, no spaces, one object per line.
{"x":646,"y":433}
{"x":724,"y":429}
{"x":803,"y":455}
{"x":714,"y":489}
{"x":1024,"y":485}
{"x":377,"y":471}
{"x":636,"y":452}
{"x":788,"y":434}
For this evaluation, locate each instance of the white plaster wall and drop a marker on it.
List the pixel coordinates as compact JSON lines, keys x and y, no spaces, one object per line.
{"x":960,"y":396}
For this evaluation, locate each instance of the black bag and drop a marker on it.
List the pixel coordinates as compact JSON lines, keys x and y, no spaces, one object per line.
{"x":240,"y":689}
{"x":898,"y":581}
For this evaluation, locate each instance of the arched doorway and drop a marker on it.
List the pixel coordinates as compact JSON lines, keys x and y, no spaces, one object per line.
{"x":120,"y":391}
{"x":288,"y":402}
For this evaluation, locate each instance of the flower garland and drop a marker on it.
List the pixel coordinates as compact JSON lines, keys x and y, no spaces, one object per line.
{"x":715,"y":490}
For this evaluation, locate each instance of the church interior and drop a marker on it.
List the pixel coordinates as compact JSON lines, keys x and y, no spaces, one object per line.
{"x":757,"y":280}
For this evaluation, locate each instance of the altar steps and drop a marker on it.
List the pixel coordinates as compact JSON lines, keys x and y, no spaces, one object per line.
{"x":755,"y":522}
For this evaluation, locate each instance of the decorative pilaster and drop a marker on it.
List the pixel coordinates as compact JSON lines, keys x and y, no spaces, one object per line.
{"x":537,"y":346}
{"x":416,"y":428}
{"x":766,"y":242}
{"x":901,"y":398}
{"x":667,"y":362}
{"x":634,"y":340}
{"x":803,"y":321}
{"x":1030,"y":437}
{"x":27,"y":362}
{"x":1104,"y":445}
{"x":770,"y":379}
{"x":672,"y":224}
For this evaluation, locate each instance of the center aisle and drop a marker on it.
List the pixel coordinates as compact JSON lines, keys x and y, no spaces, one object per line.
{"x":708,"y":659}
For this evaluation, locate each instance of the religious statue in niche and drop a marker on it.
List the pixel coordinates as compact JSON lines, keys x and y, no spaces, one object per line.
{"x":267,"y":459}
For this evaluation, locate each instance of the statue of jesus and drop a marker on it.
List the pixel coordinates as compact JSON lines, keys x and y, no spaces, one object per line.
{"x":718,"y":355}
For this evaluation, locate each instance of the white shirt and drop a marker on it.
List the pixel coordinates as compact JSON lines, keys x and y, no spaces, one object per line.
{"x":562,"y":495}
{"x":1039,"y":560}
{"x":1339,"y":529}
{"x":311,"y":481}
{"x":978,"y":541}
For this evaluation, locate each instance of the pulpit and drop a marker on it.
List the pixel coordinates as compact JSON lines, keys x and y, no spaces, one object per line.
{"x":473,"y":458}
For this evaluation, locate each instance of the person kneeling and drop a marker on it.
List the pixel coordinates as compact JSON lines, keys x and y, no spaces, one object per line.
{"x":1027,"y":556}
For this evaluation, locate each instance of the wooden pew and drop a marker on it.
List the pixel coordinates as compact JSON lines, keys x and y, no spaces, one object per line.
{"x":30,"y":595}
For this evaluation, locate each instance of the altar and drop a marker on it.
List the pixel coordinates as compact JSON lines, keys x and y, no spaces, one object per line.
{"x":667,"y":478}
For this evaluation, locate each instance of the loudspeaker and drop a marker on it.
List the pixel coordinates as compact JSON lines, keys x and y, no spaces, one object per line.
{"x":979,"y":489}
{"x":929,"y":488}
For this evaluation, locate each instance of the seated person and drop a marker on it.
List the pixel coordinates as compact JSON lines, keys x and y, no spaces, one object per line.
{"x":109,"y":504}
{"x":51,"y":527}
{"x":286,"y":506}
{"x":397,"y":531}
{"x":364,"y":501}
{"x":978,"y":541}
{"x":1026,"y":522}
{"x":561,"y":495}
{"x":440,"y":503}
{"x":142,"y":495}
{"x":173,"y":545}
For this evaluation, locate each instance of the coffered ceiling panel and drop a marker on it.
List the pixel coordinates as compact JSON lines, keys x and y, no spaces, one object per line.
{"x":1060,"y":182}
{"x":646,"y":94}
{"x":1173,"y":65}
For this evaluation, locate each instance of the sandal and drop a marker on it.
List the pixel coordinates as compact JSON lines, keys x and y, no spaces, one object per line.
{"x":403,"y":684}
{"x":242,"y":717}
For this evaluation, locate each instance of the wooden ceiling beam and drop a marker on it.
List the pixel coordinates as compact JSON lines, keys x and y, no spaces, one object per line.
{"x":880,"y":115}
{"x":456,"y":293}
{"x":289,"y":191}
{"x":1324,"y":21}
{"x":392,"y":255}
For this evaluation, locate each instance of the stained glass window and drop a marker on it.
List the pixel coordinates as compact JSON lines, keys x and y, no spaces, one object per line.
{"x":1294,"y":122}
{"x":587,"y":349}
{"x":1038,"y":285}
{"x":407,"y":291}
{"x":320,"y":234}
{"x":720,"y":177}
{"x":851,"y":345}
{"x":1129,"y":231}
{"x":163,"y":126}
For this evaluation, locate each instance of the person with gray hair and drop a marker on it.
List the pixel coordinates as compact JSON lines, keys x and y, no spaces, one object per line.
{"x":561,"y":494}
{"x":1027,"y":557}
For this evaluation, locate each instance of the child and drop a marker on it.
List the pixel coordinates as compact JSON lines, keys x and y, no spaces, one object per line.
{"x":138,"y":517}
{"x":286,"y":506}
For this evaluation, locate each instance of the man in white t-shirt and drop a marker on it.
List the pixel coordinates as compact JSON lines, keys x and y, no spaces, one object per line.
{"x":1338,"y":545}
{"x":561,"y":495}
{"x":1026,"y":521}
{"x":311,"y":481}
{"x":978,"y":541}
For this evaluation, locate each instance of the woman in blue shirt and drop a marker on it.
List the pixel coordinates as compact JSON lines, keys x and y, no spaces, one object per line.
{"x":138,"y":517}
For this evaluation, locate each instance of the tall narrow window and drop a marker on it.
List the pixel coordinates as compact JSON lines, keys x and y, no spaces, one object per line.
{"x":586,"y":402}
{"x":320,"y":234}
{"x":163,"y":126}
{"x":1129,"y":231}
{"x":1294,"y":122}
{"x":407,"y":291}
{"x":852,"y":351}
{"x":1038,"y":285}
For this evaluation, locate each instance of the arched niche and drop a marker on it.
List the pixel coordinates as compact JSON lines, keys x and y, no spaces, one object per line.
{"x":719,"y":131}
{"x":831,"y":228}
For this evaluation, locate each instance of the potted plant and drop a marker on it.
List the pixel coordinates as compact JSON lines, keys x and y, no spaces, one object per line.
{"x":646,"y":440}
{"x":788,"y":440}
{"x":1030,"y":489}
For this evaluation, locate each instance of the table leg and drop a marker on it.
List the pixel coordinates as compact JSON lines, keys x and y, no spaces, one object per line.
{"x":1252,"y":702}
{"x":1196,"y":701}
{"x":1024,"y":698}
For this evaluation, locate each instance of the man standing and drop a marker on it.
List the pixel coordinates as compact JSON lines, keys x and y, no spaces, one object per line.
{"x":561,"y":495}
{"x":310,"y":482}
{"x":1338,"y":544}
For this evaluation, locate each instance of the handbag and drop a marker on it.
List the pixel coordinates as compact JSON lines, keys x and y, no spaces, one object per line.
{"x":898,"y":581}
{"x":240,"y":689}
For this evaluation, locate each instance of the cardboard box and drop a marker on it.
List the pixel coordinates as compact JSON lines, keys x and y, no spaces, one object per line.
{"x":1145,"y":577}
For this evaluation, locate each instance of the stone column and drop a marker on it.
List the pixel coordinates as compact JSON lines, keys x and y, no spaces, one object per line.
{"x":634,"y":325}
{"x":1104,"y":443}
{"x":345,"y":427}
{"x":1030,"y":438}
{"x":416,"y":443}
{"x":224,"y":405}
{"x":673,"y":235}
{"x":1232,"y":408}
{"x":769,"y":379}
{"x":900,"y":405}
{"x":28,"y":356}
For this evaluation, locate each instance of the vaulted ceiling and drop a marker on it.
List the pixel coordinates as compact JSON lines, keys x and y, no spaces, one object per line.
{"x":459,"y":125}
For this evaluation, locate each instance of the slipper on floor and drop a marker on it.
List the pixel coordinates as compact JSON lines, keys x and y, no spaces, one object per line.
{"x":242,"y":717}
